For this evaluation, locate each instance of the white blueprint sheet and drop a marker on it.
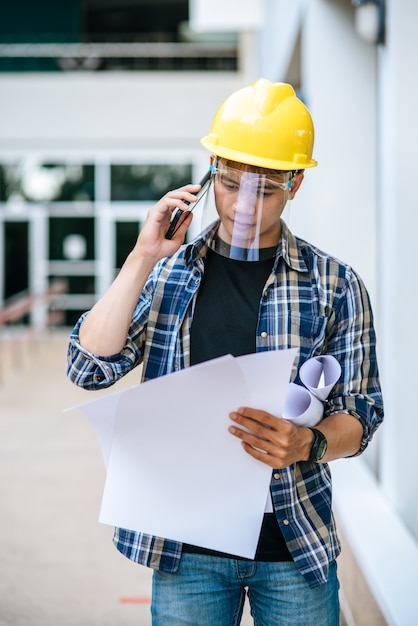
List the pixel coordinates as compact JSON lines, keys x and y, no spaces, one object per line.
{"x":173,"y":469}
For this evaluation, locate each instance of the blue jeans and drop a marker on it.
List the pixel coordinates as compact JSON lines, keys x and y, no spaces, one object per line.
{"x":210,"y":591}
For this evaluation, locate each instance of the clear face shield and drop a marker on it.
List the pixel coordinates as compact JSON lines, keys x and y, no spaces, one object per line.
{"x":248,"y":202}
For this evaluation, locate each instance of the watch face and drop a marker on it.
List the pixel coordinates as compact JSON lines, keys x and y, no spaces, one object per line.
{"x":319,"y":446}
{"x":321,"y":449}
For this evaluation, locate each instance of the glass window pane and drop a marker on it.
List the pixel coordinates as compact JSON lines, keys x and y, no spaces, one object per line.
{"x":79,"y":284}
{"x":71,"y":238}
{"x":71,"y":317}
{"x":126,"y":235}
{"x":16,"y":258}
{"x":147,"y":182}
{"x":33,"y":181}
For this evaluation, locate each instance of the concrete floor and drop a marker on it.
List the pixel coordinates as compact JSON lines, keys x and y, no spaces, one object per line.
{"x":58,"y":566}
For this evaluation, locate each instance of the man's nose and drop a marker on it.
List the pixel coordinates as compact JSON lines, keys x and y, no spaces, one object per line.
{"x":246,"y":203}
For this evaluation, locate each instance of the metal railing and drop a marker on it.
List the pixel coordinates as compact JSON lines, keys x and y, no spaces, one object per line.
{"x":117,"y":50}
{"x":15,"y":334}
{"x":20,"y":305}
{"x":133,"y":55}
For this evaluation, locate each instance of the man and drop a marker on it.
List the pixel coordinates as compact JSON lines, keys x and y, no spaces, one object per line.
{"x":245,"y":284}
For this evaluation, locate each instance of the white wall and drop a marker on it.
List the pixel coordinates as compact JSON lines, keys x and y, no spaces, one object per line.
{"x":398,"y":132}
{"x":110,"y":110}
{"x":338,"y":78}
{"x":279,"y":36}
{"x":227,"y":15}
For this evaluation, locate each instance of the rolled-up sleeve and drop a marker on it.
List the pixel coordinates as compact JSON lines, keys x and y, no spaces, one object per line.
{"x":352,"y":340}
{"x":91,"y":371}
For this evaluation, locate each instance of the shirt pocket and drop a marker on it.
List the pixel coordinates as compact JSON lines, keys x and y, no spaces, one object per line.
{"x":305,"y":332}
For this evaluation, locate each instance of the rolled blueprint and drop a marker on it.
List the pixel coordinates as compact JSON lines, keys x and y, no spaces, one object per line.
{"x":320,"y":374}
{"x":301,"y":407}
{"x":304,"y":405}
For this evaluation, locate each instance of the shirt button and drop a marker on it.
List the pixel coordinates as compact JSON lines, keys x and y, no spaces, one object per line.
{"x":264,"y":334}
{"x":286,"y":522}
{"x":276,"y":476}
{"x":98,"y":378}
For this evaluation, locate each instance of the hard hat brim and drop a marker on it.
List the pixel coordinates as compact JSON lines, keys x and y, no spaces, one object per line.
{"x":299,"y":163}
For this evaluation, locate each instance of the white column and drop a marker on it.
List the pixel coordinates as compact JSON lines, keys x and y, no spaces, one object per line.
{"x":338,"y":199}
{"x":38,"y":262}
{"x":2,"y":268}
{"x":279,"y":35}
{"x":103,"y":229}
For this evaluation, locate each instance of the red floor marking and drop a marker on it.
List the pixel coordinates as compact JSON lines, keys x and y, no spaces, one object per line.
{"x":135,"y":600}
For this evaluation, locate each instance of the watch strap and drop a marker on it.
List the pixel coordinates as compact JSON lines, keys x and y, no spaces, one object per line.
{"x":319,"y":446}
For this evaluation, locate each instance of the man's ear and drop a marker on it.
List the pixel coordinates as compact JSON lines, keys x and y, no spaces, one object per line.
{"x":296,"y":183}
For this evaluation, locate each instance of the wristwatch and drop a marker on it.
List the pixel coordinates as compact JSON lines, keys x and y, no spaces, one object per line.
{"x":319,"y":446}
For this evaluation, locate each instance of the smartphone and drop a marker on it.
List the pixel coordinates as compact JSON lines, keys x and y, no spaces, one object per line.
{"x":178,"y":212}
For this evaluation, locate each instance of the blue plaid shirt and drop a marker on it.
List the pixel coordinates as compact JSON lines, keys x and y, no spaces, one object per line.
{"x":312,"y":302}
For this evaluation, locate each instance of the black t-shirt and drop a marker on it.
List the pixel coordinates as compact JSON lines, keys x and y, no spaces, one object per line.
{"x":226,"y":313}
{"x":225,"y":322}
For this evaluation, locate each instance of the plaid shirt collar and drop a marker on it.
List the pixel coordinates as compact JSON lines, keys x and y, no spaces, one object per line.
{"x":287,"y":249}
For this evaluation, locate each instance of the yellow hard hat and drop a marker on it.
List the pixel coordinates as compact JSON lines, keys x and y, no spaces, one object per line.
{"x":264,"y":125}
